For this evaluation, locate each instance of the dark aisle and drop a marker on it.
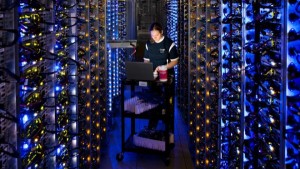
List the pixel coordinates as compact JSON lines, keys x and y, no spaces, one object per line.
{"x":180,"y":156}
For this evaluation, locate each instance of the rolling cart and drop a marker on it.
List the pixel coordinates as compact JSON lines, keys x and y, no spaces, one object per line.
{"x":154,"y":98}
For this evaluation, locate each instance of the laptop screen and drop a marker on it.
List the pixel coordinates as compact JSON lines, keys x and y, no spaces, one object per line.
{"x":139,"y":71}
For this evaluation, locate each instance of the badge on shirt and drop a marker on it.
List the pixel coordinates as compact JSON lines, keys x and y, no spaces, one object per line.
{"x":162,"y":50}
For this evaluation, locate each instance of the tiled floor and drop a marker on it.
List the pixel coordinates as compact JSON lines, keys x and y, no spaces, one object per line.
{"x":180,"y":155}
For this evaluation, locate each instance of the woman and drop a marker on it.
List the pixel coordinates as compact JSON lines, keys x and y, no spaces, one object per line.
{"x":161,"y":50}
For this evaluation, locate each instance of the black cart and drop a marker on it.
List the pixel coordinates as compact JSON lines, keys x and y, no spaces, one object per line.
{"x":147,"y":99}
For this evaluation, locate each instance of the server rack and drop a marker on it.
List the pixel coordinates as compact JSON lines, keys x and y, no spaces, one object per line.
{"x":257,"y":95}
{"x":183,"y":66}
{"x":9,"y":144}
{"x":51,"y":53}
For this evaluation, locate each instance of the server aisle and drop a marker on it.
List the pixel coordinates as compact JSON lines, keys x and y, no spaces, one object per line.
{"x":180,"y":155}
{"x":237,"y":87}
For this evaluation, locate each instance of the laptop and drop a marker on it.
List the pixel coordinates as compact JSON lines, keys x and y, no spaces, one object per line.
{"x":140,"y":71}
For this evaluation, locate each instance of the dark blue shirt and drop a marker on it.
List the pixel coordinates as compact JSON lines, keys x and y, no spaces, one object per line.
{"x":160,"y":53}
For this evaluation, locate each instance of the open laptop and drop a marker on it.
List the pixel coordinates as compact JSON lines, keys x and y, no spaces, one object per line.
{"x":140,"y":71}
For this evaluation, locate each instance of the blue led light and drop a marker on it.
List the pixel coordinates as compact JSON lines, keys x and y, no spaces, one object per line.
{"x":25,"y":119}
{"x":58,"y":88}
{"x":58,"y":150}
{"x":57,"y":68}
{"x":22,"y":34}
{"x":22,"y":5}
{"x":58,"y":46}
{"x":23,"y":63}
{"x":25,"y":146}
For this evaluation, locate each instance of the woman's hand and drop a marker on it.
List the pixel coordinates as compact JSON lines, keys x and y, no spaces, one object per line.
{"x":156,"y":69}
{"x":161,"y":67}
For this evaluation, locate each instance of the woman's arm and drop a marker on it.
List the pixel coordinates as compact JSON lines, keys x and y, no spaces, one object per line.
{"x":171,"y":64}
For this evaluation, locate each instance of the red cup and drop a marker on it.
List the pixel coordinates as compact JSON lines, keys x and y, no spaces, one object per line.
{"x":163,"y":73}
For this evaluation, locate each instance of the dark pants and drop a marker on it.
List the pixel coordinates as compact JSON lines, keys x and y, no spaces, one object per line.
{"x":169,"y":92}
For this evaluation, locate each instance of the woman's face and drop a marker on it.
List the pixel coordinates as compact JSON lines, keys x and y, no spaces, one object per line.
{"x":156,"y":35}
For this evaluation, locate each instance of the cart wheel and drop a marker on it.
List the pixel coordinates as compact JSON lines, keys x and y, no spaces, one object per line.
{"x":167,"y":161}
{"x":120,"y":156}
